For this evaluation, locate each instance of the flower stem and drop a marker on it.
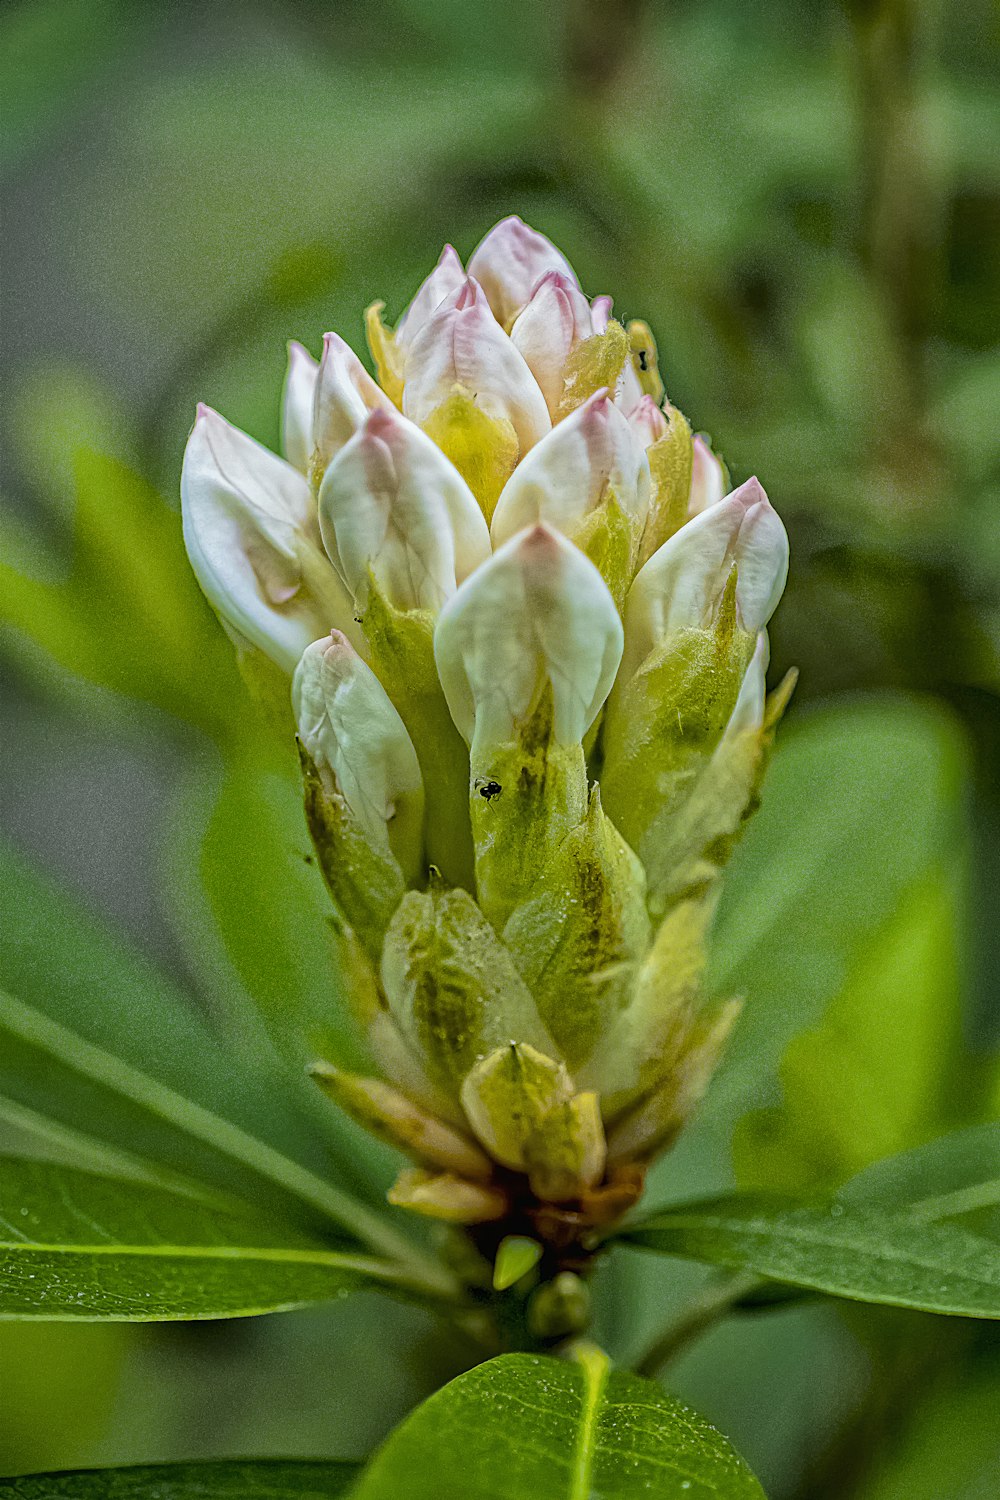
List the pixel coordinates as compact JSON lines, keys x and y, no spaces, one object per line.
{"x":715,"y":1300}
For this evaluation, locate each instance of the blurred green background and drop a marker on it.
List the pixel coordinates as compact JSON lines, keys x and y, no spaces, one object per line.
{"x":803,"y":199}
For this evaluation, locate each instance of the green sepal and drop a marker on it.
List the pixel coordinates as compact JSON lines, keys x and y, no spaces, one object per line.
{"x":525,"y":797}
{"x":366,"y":883}
{"x":606,"y":537}
{"x":401,"y":643}
{"x":670,"y":464}
{"x":517,"y":1255}
{"x":395,"y":1118}
{"x":656,"y":1121}
{"x":662,"y":727}
{"x":576,"y":939}
{"x":452,"y":987}
{"x":522,"y":1106}
{"x":645,"y":1039}
{"x":687,"y":847}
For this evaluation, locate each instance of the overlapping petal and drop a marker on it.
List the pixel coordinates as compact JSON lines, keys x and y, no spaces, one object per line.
{"x":462,"y":345}
{"x":252,"y":539}
{"x":359,"y":745}
{"x":392,"y":503}
{"x":344,"y":395}
{"x":683,"y":583}
{"x":538,"y":613}
{"x":510,"y":262}
{"x":593,"y":454}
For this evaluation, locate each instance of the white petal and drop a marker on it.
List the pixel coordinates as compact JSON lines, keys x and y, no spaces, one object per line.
{"x":683,"y":582}
{"x":251,"y":536}
{"x":446,"y":277}
{"x":628,"y":391}
{"x":297,"y":407}
{"x":539,"y":610}
{"x":556,"y":319}
{"x":648,"y":422}
{"x":708,"y":478}
{"x":569,"y":472}
{"x":462,"y":344}
{"x":345,"y":394}
{"x":356,"y":738}
{"x":392,"y":502}
{"x":750,"y":702}
{"x":510,"y":262}
{"x":600,"y":313}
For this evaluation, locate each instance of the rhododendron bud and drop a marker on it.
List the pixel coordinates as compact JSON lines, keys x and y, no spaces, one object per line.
{"x":297,"y":401}
{"x":391,"y":506}
{"x":589,"y":478}
{"x":344,"y":395}
{"x":693,"y":620}
{"x":251,"y":535}
{"x":524,"y":776}
{"x":510,"y":262}
{"x":555,"y":321}
{"x":709,"y":479}
{"x":472,"y":391}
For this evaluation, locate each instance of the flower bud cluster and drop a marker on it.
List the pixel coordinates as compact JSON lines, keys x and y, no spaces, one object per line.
{"x":525,"y":621}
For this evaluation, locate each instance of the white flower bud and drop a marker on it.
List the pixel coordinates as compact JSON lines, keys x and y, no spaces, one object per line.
{"x":345,"y":394}
{"x":510,"y":262}
{"x":251,"y":535}
{"x":462,"y":345}
{"x":538,"y":612}
{"x":683,"y":583}
{"x":446,"y":277}
{"x":600,"y":313}
{"x":648,"y":422}
{"x":360,"y":747}
{"x":708,"y":477}
{"x":391,"y":502}
{"x":554,"y":322}
{"x":589,"y":455}
{"x":297,"y":401}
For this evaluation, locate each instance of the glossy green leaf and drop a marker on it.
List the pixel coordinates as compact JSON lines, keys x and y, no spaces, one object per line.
{"x":525,"y":1426}
{"x":95,"y":1040}
{"x":77,"y":1245}
{"x":129,"y":582}
{"x":956,"y":1174}
{"x":241,"y":1479}
{"x":844,"y":1252}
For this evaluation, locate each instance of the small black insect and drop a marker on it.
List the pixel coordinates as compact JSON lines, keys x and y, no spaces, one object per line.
{"x":642,"y":357}
{"x":488,"y":789}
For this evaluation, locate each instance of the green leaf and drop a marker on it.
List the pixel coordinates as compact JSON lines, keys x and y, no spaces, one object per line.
{"x":825,"y":870}
{"x":241,"y":1479}
{"x":127,"y":614}
{"x":102,"y":1044}
{"x":869,"y":1080}
{"x":864,"y":1256}
{"x":76,"y":1245}
{"x":956,"y":1174}
{"x":525,"y":1426}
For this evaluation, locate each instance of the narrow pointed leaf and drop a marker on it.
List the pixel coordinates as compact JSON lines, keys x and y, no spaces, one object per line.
{"x":240,"y":1479}
{"x":862,"y":1255}
{"x":76,"y":1245}
{"x":525,"y":1426}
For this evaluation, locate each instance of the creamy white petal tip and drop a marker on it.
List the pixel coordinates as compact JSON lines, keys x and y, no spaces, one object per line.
{"x":251,"y":536}
{"x":538,"y":612}
{"x":682,"y":583}
{"x":392,"y":503}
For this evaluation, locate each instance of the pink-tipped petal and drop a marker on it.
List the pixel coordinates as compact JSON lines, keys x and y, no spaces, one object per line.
{"x":510,"y":262}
